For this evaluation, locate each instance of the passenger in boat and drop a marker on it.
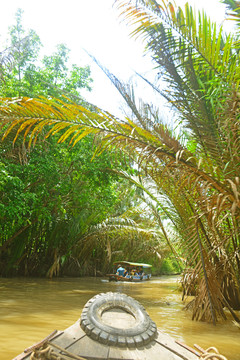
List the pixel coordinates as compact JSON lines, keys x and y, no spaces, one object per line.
{"x":125,"y":273}
{"x":120,"y":270}
{"x":133,"y":272}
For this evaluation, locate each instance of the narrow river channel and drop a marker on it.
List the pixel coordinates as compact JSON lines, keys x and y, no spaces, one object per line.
{"x":30,"y":309}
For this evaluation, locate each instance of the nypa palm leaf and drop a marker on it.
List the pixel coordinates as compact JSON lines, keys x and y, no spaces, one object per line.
{"x":199,"y":63}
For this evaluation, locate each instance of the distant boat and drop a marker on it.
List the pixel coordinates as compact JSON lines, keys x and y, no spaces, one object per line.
{"x":134,"y":272}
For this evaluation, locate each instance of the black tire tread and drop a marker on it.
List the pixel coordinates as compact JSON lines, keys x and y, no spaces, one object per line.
{"x":143,"y":333}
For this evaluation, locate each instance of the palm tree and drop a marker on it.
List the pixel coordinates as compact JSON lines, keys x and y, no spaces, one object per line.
{"x":198,"y":170}
{"x":201,"y":65}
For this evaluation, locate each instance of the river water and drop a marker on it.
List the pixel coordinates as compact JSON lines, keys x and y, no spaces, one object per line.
{"x":30,"y":309}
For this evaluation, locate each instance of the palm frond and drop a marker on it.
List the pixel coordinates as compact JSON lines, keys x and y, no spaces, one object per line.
{"x":118,"y":233}
{"x":233,"y":12}
{"x":186,"y":30}
{"x":154,"y":150}
{"x":198,"y":62}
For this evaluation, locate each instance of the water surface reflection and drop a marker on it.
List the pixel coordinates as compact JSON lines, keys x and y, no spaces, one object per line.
{"x":30,"y":309}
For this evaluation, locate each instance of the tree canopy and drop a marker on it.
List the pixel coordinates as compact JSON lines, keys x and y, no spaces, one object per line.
{"x":29,"y":75}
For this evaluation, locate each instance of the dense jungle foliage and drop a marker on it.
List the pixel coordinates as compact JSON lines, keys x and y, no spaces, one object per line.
{"x":61,"y":208}
{"x":188,"y":179}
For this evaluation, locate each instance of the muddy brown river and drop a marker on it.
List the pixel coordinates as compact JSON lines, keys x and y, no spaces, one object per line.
{"x":30,"y":309}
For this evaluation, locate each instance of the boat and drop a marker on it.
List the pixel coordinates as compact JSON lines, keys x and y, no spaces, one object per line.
{"x":135,"y":272}
{"x":112,"y":326}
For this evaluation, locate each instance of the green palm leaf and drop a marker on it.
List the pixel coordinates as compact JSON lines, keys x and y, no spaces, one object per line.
{"x":199,"y":63}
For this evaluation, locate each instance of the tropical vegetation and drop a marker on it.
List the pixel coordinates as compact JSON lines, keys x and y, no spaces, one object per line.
{"x":63,"y":211}
{"x":188,"y":177}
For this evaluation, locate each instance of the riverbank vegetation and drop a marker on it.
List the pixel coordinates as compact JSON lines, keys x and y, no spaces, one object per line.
{"x":63,"y":212}
{"x":184,"y":182}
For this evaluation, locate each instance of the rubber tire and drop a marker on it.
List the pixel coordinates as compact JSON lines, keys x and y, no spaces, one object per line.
{"x":139,"y":335}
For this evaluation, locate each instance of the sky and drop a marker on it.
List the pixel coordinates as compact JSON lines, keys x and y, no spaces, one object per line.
{"x":94,"y":26}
